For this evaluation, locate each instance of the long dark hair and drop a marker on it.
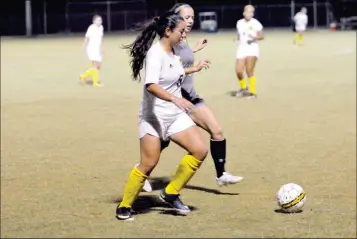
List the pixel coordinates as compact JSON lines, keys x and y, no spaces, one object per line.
{"x":140,"y":47}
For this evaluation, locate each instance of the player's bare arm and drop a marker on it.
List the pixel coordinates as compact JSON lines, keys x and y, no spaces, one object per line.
{"x":202,"y":64}
{"x":259,"y":37}
{"x":202,"y":43}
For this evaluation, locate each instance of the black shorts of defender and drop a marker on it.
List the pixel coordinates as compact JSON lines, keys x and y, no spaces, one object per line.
{"x":193,"y":97}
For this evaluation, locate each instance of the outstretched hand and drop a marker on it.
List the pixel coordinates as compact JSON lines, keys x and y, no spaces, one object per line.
{"x":203,"y":64}
{"x":202,"y":43}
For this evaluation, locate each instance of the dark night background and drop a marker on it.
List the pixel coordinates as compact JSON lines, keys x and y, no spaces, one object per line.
{"x":13,"y":13}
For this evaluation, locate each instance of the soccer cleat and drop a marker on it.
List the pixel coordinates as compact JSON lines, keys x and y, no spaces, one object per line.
{"x":175,"y":202}
{"x":250,"y":95}
{"x":242,"y":92}
{"x":124,"y":214}
{"x":228,"y":178}
{"x":82,"y":80}
{"x":97,"y":85}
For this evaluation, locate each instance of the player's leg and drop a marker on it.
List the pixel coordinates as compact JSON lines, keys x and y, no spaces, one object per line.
{"x":296,"y":36}
{"x":203,"y":116}
{"x":150,"y":154}
{"x":90,"y":70}
{"x":88,"y":73}
{"x":93,"y":71}
{"x":250,"y":65}
{"x":96,"y":68}
{"x":294,"y":31}
{"x":186,"y":134}
{"x":239,"y":68}
{"x":147,"y":186}
{"x":300,"y":36}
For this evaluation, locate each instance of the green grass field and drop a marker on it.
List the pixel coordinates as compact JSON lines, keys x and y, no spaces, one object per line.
{"x":66,"y":150}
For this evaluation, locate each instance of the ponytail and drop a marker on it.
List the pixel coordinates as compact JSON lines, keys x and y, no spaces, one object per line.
{"x":140,"y":47}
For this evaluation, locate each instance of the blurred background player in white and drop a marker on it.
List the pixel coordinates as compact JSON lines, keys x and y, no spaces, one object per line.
{"x":93,"y":45}
{"x":300,"y":20}
{"x":249,"y":30}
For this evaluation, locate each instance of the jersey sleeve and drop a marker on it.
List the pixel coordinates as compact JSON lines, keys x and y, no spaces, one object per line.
{"x":258,"y":26}
{"x":89,"y":32}
{"x":152,"y":68}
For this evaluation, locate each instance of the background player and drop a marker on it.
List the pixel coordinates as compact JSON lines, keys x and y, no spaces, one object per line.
{"x":93,"y":45}
{"x":300,"y":20}
{"x":250,"y":31}
{"x":201,"y":114}
{"x":162,"y":114}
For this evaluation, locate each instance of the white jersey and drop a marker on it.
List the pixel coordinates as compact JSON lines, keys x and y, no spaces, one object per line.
{"x":245,"y":29}
{"x":95,"y":37}
{"x":165,"y":70}
{"x":300,"y":20}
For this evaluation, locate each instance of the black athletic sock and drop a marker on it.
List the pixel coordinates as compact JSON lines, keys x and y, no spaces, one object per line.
{"x":218,"y":152}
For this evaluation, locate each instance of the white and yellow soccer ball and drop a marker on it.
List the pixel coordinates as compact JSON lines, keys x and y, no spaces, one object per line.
{"x":291,"y":198}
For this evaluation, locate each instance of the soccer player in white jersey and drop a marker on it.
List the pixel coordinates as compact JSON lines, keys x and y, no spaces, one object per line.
{"x":93,"y":45}
{"x":163,"y":112}
{"x":249,"y":31}
{"x":300,"y":20}
{"x":201,"y":114}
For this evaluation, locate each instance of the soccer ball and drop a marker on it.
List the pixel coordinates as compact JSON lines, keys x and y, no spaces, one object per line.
{"x":291,"y":198}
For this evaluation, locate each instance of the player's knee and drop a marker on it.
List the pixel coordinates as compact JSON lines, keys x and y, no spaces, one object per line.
{"x":240,"y":74}
{"x":199,"y":152}
{"x":146,"y":166}
{"x":250,"y":72}
{"x":217,"y":133}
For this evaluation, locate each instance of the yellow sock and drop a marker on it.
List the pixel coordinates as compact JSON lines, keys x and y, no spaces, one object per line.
{"x":95,"y":74}
{"x":242,"y":84}
{"x":88,"y":73}
{"x":133,"y":187}
{"x":184,"y":173}
{"x":300,"y":39}
{"x":296,"y":38}
{"x":252,"y":88}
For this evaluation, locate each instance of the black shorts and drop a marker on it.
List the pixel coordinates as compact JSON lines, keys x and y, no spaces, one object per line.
{"x":193,"y":97}
{"x":164,"y":144}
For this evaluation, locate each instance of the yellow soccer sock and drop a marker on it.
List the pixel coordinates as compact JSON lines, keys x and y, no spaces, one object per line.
{"x":296,"y":38}
{"x":252,"y":88}
{"x":184,"y":173}
{"x":242,"y":84}
{"x":86,"y":74}
{"x":133,"y":187}
{"x":300,"y":39}
{"x":95,"y":76}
